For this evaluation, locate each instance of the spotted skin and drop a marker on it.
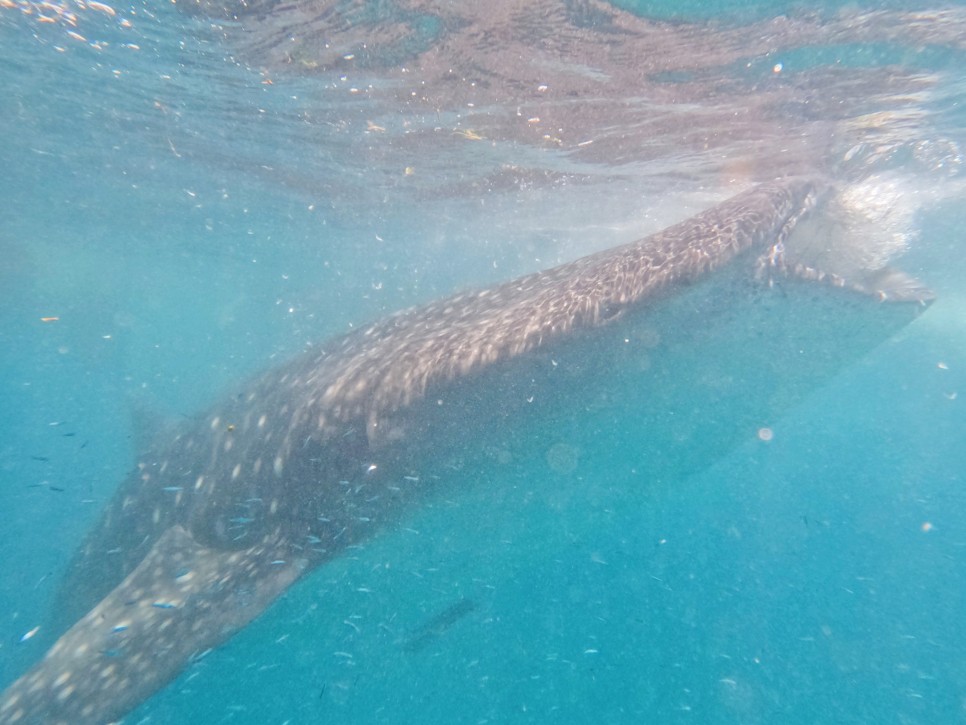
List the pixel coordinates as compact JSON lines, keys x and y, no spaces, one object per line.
{"x":309,"y":458}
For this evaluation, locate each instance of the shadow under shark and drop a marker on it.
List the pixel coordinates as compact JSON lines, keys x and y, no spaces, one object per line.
{"x":218,"y":519}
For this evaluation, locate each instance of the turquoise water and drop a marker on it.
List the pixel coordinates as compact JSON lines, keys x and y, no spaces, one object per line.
{"x":189,"y":224}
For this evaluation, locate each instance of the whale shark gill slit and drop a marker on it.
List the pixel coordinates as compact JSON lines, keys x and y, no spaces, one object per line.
{"x":221,"y":517}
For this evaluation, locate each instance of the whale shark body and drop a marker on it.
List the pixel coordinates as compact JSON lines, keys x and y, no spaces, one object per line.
{"x":221,"y":517}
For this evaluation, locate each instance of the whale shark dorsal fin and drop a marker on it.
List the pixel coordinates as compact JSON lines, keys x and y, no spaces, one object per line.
{"x":183,"y":598}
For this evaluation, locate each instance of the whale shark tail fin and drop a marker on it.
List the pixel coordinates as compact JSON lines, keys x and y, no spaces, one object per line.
{"x":183,"y":599}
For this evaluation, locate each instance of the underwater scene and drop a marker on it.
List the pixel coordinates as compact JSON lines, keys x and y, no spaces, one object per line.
{"x":521,"y":361}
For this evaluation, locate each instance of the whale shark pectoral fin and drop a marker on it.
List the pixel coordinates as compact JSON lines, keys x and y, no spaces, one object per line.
{"x":887,"y":284}
{"x":893,"y":285}
{"x":181,"y":600}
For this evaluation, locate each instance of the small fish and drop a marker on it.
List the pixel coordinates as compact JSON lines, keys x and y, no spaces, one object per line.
{"x":437,"y":626}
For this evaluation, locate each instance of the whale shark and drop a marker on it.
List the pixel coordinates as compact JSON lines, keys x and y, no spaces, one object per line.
{"x":221,"y":516}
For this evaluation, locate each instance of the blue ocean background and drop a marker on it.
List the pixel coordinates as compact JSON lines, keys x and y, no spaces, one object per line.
{"x":187,"y":229}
